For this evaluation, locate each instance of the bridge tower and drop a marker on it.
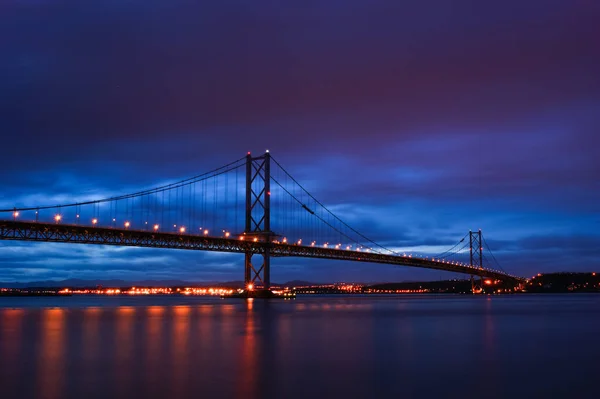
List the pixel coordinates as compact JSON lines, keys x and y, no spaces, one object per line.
{"x":476,"y":255}
{"x":258,"y":219}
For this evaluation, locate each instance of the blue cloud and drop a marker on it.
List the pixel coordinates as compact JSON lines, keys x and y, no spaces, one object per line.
{"x":413,"y":122}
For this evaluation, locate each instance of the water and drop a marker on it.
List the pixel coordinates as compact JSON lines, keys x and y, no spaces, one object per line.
{"x":322,"y":347}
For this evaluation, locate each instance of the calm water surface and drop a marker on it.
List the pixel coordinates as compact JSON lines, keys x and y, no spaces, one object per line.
{"x":352,"y":347}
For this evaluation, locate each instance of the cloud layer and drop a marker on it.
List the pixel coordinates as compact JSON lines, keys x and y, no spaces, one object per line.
{"x":416,"y":120}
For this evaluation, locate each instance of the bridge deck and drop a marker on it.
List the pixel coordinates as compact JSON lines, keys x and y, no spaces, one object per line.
{"x":48,"y":232}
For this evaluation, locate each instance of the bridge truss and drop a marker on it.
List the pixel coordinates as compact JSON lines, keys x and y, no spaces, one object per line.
{"x":47,"y":232}
{"x":202,"y":213}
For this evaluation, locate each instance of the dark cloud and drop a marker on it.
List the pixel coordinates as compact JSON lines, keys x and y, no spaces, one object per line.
{"x":415,"y":121}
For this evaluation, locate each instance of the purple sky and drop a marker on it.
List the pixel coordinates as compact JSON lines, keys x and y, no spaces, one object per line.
{"x":424,"y":118}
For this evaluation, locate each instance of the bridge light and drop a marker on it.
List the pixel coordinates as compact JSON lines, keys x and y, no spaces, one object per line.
{"x":241,"y":237}
{"x":156,"y":227}
{"x":94,"y":221}
{"x":127,"y":224}
{"x":57,"y":218}
{"x":255,"y":239}
{"x":206,"y":232}
{"x":227,"y":234}
{"x":182,"y":229}
{"x":284,"y":240}
{"x":15,"y":214}
{"x":250,"y":287}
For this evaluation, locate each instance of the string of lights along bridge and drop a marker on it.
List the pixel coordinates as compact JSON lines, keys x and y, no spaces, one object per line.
{"x":252,"y":206}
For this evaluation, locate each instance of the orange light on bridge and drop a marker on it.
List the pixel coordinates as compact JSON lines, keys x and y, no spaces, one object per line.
{"x":205,"y":232}
{"x":94,"y":221}
{"x":57,"y":218}
{"x":182,"y":229}
{"x":227,"y":234}
{"x":127,"y":224}
{"x":15,"y":214}
{"x":250,"y":287}
{"x":488,"y":282}
{"x":156,"y":227}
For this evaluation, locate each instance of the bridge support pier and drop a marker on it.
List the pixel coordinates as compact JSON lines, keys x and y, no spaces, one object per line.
{"x":258,"y":220}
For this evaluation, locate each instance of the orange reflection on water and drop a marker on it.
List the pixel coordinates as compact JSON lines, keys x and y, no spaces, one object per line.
{"x":228,"y":309}
{"x":153,"y":331}
{"x":124,"y":351}
{"x":126,"y":310}
{"x":205,"y":309}
{"x":50,"y":382}
{"x":248,"y":380}
{"x":155,"y":310}
{"x":182,"y":311}
{"x":180,"y":351}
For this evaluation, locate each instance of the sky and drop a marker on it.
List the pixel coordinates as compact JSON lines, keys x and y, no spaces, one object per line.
{"x":416,"y":119}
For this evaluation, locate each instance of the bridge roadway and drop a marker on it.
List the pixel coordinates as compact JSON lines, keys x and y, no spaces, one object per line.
{"x":68,"y":233}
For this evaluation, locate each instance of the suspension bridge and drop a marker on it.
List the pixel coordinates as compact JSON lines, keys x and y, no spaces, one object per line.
{"x":252,"y":206}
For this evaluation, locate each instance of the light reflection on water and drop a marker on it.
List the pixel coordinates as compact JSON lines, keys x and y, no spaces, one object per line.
{"x":312,"y":346}
{"x":52,"y":357}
